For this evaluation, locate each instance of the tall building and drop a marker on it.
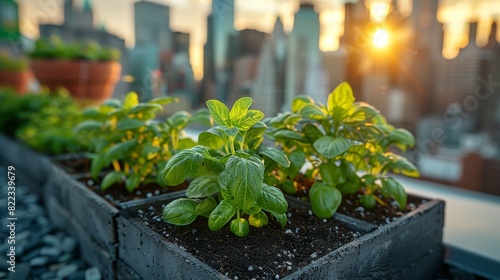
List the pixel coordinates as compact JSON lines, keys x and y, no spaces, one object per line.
{"x":304,"y":69}
{"x":269,"y":85}
{"x":152,"y":25}
{"x":220,"y":39}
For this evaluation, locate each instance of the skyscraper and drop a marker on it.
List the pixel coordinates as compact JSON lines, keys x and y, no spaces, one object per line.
{"x":303,"y":76}
{"x":152,"y":25}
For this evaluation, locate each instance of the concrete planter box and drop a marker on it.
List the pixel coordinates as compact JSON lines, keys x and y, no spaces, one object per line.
{"x":32,"y":169}
{"x":408,"y":248}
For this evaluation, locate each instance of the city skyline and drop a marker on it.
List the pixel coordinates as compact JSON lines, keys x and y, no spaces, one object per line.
{"x":189,"y":16}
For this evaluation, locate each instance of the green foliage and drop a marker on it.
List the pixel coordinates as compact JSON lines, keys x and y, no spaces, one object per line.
{"x":342,"y":140}
{"x":44,"y":121}
{"x":57,"y":49}
{"x":126,"y":136}
{"x":229,"y":164}
{"x":12,"y":64}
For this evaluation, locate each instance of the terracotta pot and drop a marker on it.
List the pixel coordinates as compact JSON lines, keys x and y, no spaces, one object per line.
{"x":92,"y":82}
{"x":18,"y":80}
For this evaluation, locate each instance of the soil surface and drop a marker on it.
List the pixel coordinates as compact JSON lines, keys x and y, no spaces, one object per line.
{"x":118,"y":193}
{"x":380,"y":214}
{"x":266,"y":253}
{"x":351,"y":204}
{"x":73,"y":164}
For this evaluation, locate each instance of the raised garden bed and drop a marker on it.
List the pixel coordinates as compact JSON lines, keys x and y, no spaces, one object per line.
{"x":408,"y":248}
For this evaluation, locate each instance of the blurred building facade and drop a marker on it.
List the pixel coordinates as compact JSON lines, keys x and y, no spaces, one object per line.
{"x":165,"y":69}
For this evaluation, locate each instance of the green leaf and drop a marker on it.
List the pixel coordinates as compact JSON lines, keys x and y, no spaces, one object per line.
{"x":276,"y":155}
{"x":258,"y":219}
{"x":129,"y":124}
{"x":324,"y":200}
{"x":255,"y":136}
{"x":119,"y":151}
{"x":349,"y":187}
{"x":312,"y":132}
{"x":110,"y":179}
{"x":221,"y":215}
{"x":300,"y":101}
{"x":297,"y":160}
{"x":402,"y":165}
{"x":230,"y":131}
{"x":391,"y":187}
{"x":340,"y":101}
{"x":254,"y":209}
{"x":180,"y":212}
{"x":289,"y":187}
{"x":203,"y":186}
{"x":114,"y":103}
{"x":272,"y":200}
{"x":144,"y":107}
{"x":97,"y":164}
{"x":85,"y":125}
{"x":313,"y":112}
{"x":163,"y":100}
{"x":186,"y":143}
{"x":202,"y":116}
{"x":286,"y":134}
{"x":239,"y":227}
{"x":206,"y":207}
{"x":368,"y":201}
{"x":179,"y":119}
{"x":239,"y":109}
{"x":331,"y":174}
{"x":281,"y":218}
{"x":401,"y":136}
{"x":211,"y":140}
{"x":330,"y":147}
{"x":132,"y":182}
{"x":219,"y":112}
{"x":244,"y":179}
{"x":251,"y":118}
{"x":182,"y":166}
{"x":362,"y":112}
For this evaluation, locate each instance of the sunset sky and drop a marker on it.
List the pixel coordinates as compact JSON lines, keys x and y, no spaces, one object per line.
{"x":190,"y":16}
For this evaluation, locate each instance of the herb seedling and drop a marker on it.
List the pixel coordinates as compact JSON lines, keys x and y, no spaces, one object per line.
{"x":228,"y":165}
{"x":125,"y":135}
{"x":347,"y":144}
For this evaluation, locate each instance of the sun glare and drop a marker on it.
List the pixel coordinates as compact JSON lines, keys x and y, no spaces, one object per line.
{"x":380,"y":38}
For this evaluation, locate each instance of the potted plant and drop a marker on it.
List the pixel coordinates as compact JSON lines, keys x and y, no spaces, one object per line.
{"x":14,"y":72}
{"x":230,"y":184}
{"x":87,"y":70}
{"x":347,"y":144}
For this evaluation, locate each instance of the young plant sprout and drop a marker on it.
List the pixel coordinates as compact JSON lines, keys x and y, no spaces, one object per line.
{"x":227,"y":173}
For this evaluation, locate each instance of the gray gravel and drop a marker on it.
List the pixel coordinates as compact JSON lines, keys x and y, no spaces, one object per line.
{"x":42,"y":251}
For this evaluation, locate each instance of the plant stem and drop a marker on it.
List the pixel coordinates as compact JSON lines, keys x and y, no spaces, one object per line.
{"x":116,"y":165}
{"x":231,"y":145}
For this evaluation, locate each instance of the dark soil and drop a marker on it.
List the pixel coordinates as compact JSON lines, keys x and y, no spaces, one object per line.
{"x":73,"y":163}
{"x":266,"y":253}
{"x":118,"y":193}
{"x":378,"y":215}
{"x":351,"y":204}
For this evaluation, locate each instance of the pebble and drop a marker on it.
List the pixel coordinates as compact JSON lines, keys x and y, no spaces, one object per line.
{"x":22,"y":272}
{"x":69,"y":244}
{"x":67,"y":270}
{"x":45,"y":252}
{"x":93,"y":273}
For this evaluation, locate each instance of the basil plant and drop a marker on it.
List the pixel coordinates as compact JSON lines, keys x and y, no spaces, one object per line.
{"x":226,"y":172}
{"x":348,"y":145}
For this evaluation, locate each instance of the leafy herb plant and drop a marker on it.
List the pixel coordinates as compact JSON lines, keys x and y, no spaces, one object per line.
{"x":12,"y":64}
{"x":347,"y":144}
{"x":55,"y":48}
{"x":125,"y":135}
{"x":227,"y":173}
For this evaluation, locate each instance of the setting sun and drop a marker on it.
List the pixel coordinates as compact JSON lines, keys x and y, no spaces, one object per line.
{"x":380,"y":38}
